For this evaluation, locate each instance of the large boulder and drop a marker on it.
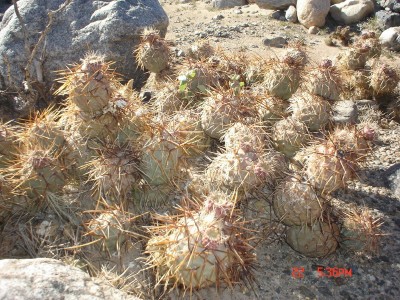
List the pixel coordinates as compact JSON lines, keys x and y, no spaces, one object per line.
{"x":390,"y":38}
{"x":312,"y":12}
{"x":352,"y":11}
{"x":275,"y":4}
{"x":45,"y":278}
{"x":387,"y":19}
{"x":393,"y":5}
{"x":108,"y":27}
{"x":221,"y":4}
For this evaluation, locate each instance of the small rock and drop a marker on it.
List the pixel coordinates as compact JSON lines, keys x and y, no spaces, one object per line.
{"x":387,"y":19}
{"x":344,"y":112}
{"x":218,"y":17}
{"x":391,"y":178}
{"x":350,"y":12}
{"x":277,"y":42}
{"x":291,"y":14}
{"x":390,"y":38}
{"x":278,"y":15}
{"x":313,"y":30}
{"x":237,"y":11}
{"x":145,"y":96}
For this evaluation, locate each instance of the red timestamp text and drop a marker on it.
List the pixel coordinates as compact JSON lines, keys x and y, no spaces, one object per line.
{"x":334,"y":272}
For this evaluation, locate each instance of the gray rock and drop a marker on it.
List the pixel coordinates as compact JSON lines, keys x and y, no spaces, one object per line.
{"x":109,"y":27}
{"x":390,"y":38}
{"x":277,"y":42}
{"x":221,"y":4}
{"x":44,"y":278}
{"x":291,"y":14}
{"x":393,"y":5}
{"x":352,"y":11}
{"x":387,"y":19}
{"x":344,"y":112}
{"x":391,"y":178}
{"x":275,"y":4}
{"x":278,"y":15}
{"x":218,"y":17}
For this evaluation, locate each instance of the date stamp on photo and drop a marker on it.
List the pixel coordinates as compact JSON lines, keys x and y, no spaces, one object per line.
{"x":329,"y":272}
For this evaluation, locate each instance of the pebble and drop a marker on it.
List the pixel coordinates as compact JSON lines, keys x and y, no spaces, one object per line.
{"x":238,"y":11}
{"x":325,"y":291}
{"x":218,"y":17}
{"x":277,"y":42}
{"x":305,"y":292}
{"x":313,"y":30}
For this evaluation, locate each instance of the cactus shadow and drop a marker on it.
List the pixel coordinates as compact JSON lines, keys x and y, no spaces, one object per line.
{"x":388,"y":205}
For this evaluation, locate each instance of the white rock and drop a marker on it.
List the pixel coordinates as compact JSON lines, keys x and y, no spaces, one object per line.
{"x":291,"y":14}
{"x":390,"y":38}
{"x":313,"y":30}
{"x":45,"y":278}
{"x":352,"y":11}
{"x":312,"y":12}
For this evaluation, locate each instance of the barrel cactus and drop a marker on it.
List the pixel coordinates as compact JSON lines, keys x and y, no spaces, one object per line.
{"x":223,"y":108}
{"x":297,"y":203}
{"x":360,"y":231}
{"x":324,"y":81}
{"x":329,"y":168}
{"x":289,"y":136}
{"x":384,"y":79}
{"x":36,"y":173}
{"x":201,"y":248}
{"x":282,"y":78}
{"x":153,"y":51}
{"x":317,"y":240}
{"x":115,"y":170}
{"x":313,"y":111}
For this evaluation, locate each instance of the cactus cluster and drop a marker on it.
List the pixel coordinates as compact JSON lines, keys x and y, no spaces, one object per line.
{"x":214,"y":137}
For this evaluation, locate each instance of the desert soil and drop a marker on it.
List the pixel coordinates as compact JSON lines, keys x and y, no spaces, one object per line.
{"x":373,"y":277}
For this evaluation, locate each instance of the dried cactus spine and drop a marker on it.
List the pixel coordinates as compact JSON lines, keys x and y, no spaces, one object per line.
{"x":223,"y":108}
{"x":36,"y":173}
{"x":114,"y":171}
{"x":8,"y":143}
